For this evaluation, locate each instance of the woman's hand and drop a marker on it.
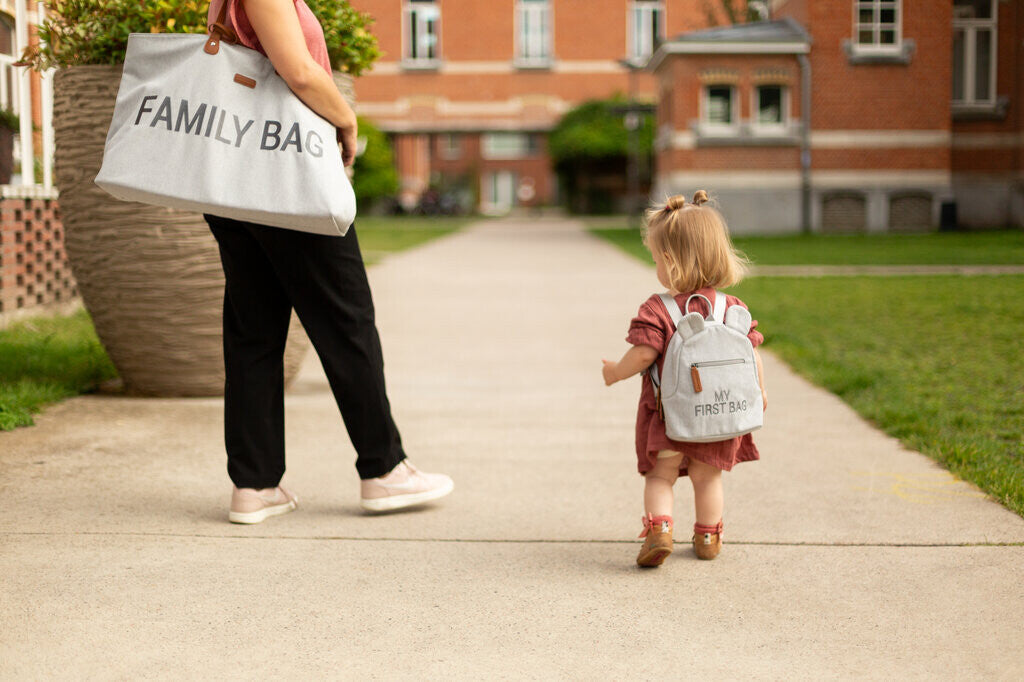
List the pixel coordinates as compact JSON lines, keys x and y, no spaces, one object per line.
{"x":347,"y":136}
{"x":277,"y":26}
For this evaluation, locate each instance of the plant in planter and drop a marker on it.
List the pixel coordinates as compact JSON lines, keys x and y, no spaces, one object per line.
{"x":9,"y":125}
{"x":149,"y":276}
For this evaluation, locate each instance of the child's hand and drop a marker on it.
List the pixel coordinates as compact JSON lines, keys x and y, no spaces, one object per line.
{"x":764,"y":400}
{"x":610,"y":372}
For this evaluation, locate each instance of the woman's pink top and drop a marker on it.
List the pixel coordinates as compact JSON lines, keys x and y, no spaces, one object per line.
{"x":653,"y":327}
{"x":311,"y":29}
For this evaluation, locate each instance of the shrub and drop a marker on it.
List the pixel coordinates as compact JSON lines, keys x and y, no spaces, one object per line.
{"x":78,"y":32}
{"x":593,"y":131}
{"x":9,"y":120}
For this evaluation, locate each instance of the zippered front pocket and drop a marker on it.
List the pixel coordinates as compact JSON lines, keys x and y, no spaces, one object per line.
{"x":695,"y":371}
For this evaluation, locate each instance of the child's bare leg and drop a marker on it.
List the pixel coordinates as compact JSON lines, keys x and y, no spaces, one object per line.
{"x":658,"y":484}
{"x":707,"y":492}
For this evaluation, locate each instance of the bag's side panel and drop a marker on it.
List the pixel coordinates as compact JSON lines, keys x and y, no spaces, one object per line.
{"x":191,"y":137}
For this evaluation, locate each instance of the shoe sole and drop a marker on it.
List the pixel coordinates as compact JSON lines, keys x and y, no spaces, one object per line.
{"x":653,"y":558}
{"x":392,"y":502}
{"x":262,"y":514}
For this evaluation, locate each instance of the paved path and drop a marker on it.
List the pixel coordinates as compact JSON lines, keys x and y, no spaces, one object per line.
{"x":846,"y":555}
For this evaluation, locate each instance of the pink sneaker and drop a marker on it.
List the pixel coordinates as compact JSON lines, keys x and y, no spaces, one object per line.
{"x":249,"y":505}
{"x":404,"y":486}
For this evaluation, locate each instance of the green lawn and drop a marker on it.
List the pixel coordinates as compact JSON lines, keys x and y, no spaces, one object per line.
{"x":1003,"y":247}
{"x":934,"y":361}
{"x":379,"y":236}
{"x":44,"y":360}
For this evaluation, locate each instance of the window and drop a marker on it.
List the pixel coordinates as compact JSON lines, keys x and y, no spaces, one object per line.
{"x":451,"y":146}
{"x":8,"y":82}
{"x":771,"y":109}
{"x":645,"y":24}
{"x":719,"y":111}
{"x":974,"y":52}
{"x":844,"y":211}
{"x":509,"y":145}
{"x":910,"y":212}
{"x":877,"y":25}
{"x":533,"y":26}
{"x":422,"y":20}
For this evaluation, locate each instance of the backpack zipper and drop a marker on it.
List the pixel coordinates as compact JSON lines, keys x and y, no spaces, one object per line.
{"x":695,"y":373}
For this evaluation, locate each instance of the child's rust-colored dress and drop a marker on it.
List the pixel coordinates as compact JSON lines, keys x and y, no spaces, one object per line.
{"x":653,"y":327}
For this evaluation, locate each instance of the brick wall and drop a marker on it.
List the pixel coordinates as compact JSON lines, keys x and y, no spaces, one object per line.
{"x":34,"y":271}
{"x":478,"y":87}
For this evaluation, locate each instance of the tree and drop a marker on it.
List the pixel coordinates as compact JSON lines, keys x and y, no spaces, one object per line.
{"x":78,"y":32}
{"x":374,"y":175}
{"x":732,"y":12}
{"x":591,"y":143}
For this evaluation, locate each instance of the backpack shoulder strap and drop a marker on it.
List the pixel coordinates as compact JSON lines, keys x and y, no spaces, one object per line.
{"x":674,"y":311}
{"x":719,"y":312}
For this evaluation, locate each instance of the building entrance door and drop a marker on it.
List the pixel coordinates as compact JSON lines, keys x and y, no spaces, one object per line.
{"x":498,"y":193}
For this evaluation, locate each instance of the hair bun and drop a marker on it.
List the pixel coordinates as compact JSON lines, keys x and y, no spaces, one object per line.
{"x":676,"y":202}
{"x":700,"y":197}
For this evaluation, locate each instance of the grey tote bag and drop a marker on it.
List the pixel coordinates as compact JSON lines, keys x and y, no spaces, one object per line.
{"x":203,"y":125}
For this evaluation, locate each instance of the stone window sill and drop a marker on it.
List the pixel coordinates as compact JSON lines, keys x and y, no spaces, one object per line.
{"x":981,"y":112}
{"x":533,"y":64}
{"x":746,"y":135}
{"x":421,"y":64}
{"x":858,"y":55}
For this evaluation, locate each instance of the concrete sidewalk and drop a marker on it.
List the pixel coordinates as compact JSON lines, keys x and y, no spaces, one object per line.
{"x":846,"y":556}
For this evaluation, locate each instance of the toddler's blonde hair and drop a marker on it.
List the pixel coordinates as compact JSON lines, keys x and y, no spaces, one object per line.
{"x":696,"y":241}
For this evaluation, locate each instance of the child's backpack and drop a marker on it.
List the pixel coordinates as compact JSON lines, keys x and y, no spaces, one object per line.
{"x":708,"y":389}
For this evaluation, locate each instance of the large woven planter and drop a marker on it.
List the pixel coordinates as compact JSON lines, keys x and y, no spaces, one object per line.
{"x":150,"y":277}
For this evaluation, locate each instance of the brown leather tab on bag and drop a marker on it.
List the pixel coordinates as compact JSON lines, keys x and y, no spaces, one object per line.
{"x":245,"y":80}
{"x":695,"y":376}
{"x":212,"y":44}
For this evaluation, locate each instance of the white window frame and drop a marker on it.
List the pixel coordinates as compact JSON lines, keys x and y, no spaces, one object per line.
{"x":423,"y":12}
{"x":505,"y":146}
{"x":970,"y":28}
{"x":780,"y":128}
{"x":876,"y":27}
{"x":9,"y":96}
{"x":715,"y":128}
{"x":641,"y":10}
{"x":534,"y":49}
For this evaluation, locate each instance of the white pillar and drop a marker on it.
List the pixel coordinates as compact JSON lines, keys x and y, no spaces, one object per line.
{"x":24,"y":95}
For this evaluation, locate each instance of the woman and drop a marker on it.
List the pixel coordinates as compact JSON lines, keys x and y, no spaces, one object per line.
{"x":269,"y":271}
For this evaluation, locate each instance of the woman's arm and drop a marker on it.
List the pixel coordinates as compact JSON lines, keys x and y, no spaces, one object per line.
{"x":277,"y":26}
{"x":636,"y":359}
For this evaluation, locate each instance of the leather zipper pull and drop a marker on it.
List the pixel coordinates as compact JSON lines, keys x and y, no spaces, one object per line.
{"x":695,"y":376}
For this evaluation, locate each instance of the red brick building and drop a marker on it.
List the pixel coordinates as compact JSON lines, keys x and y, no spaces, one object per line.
{"x":34,"y":272}
{"x":872,"y":117}
{"x":469,"y":88}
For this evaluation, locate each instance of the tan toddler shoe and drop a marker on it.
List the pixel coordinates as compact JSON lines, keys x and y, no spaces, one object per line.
{"x":707,"y":540}
{"x":657,"y":545}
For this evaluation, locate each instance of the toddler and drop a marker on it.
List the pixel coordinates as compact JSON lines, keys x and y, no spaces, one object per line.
{"x":694,"y":255}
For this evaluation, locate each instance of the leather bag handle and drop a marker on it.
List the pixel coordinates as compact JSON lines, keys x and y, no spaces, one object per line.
{"x":219,"y":31}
